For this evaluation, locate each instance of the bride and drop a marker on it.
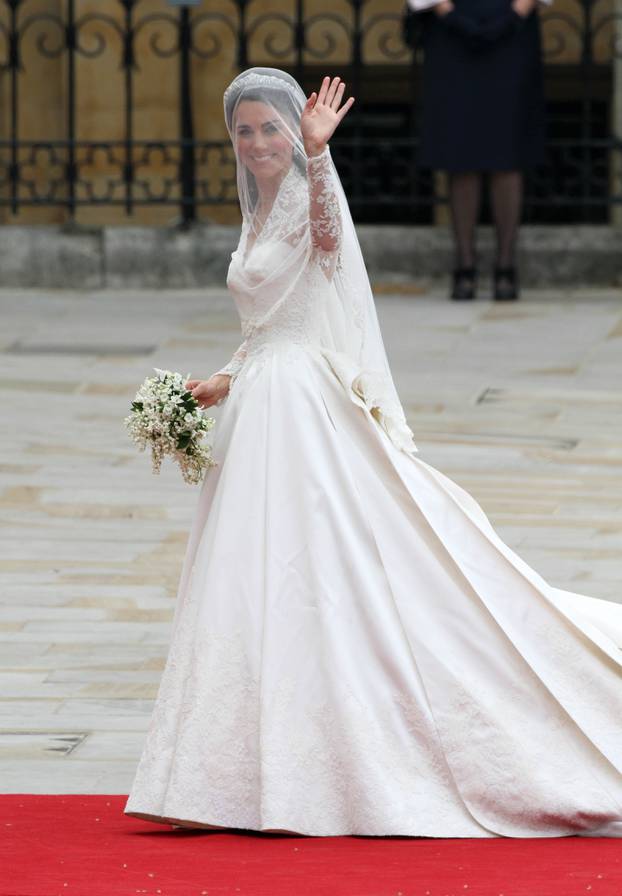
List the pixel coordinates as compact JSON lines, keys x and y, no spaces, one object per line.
{"x":354,"y":649}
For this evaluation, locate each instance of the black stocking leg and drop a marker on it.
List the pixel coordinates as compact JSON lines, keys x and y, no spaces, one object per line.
{"x":465,"y":192}
{"x":506,"y":196}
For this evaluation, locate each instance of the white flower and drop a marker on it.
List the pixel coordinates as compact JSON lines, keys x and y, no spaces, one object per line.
{"x":161,"y":422}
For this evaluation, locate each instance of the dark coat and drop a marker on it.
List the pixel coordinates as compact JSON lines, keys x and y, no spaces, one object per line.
{"x":483,"y":105}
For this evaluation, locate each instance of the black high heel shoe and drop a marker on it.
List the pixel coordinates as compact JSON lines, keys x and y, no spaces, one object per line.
{"x":464,"y":283}
{"x":505,"y":284}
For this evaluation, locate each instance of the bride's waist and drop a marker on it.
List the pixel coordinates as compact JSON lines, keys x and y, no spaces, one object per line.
{"x":259,"y":340}
{"x":284,"y":346}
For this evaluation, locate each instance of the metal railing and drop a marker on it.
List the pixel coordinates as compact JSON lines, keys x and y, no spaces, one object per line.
{"x":376,"y":148}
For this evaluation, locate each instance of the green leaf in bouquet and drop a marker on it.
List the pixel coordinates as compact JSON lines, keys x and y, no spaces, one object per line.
{"x":184,"y":440}
{"x":137,"y":405}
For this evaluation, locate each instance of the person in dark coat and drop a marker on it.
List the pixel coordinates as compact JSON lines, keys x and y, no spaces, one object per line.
{"x":483,"y":112}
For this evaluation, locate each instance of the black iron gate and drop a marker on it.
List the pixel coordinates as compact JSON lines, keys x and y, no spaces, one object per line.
{"x":376,"y":148}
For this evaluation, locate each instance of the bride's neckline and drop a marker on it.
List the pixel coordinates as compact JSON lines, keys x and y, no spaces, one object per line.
{"x":247,"y":228}
{"x":252,"y":236}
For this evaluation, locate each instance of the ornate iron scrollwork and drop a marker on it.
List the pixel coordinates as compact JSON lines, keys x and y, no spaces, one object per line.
{"x":379,"y":169}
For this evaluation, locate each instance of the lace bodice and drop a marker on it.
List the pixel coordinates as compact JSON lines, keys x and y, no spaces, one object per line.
{"x":274,"y":302}
{"x":301,"y":280}
{"x":295,"y":319}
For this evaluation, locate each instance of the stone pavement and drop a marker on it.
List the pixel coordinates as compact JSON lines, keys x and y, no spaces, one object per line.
{"x":519,"y":402}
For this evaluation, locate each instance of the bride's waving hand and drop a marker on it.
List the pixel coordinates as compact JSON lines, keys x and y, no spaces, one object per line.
{"x":318,"y":122}
{"x":322,"y":114}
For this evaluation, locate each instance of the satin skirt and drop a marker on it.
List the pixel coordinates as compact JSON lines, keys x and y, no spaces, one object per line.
{"x":356,"y":651}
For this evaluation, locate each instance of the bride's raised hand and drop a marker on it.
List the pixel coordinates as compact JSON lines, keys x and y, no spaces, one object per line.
{"x":322,"y":114}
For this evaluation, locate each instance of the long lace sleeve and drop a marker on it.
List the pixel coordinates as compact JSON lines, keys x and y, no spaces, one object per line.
{"x":233,"y":366}
{"x":324,"y":214}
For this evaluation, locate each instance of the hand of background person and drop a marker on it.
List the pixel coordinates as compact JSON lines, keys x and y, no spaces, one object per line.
{"x":322,"y":114}
{"x":524,"y":7}
{"x":460,"y":24}
{"x":441,"y":9}
{"x":481,"y":36}
{"x":211,"y":391}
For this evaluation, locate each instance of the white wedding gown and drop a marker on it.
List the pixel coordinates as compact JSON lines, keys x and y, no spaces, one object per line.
{"x":355,"y":650}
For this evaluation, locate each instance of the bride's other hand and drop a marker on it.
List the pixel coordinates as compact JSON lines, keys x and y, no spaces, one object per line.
{"x":322,"y":114}
{"x":211,"y":391}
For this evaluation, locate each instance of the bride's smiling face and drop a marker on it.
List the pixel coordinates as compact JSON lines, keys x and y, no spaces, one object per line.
{"x":261,"y":144}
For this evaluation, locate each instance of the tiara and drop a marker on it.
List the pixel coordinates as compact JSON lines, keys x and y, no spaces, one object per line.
{"x":257,"y":79}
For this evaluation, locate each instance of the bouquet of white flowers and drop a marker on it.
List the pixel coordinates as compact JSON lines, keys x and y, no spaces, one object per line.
{"x":165,"y":416}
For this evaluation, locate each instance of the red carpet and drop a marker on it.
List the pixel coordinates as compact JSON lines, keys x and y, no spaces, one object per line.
{"x":85,"y":846}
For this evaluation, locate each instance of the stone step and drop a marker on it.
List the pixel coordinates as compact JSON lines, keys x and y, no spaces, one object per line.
{"x":150,"y":257}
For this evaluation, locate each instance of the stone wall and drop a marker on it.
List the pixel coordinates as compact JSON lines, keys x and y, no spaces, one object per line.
{"x":92,"y":258}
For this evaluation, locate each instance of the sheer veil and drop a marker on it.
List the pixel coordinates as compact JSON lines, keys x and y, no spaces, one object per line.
{"x":351,"y":339}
